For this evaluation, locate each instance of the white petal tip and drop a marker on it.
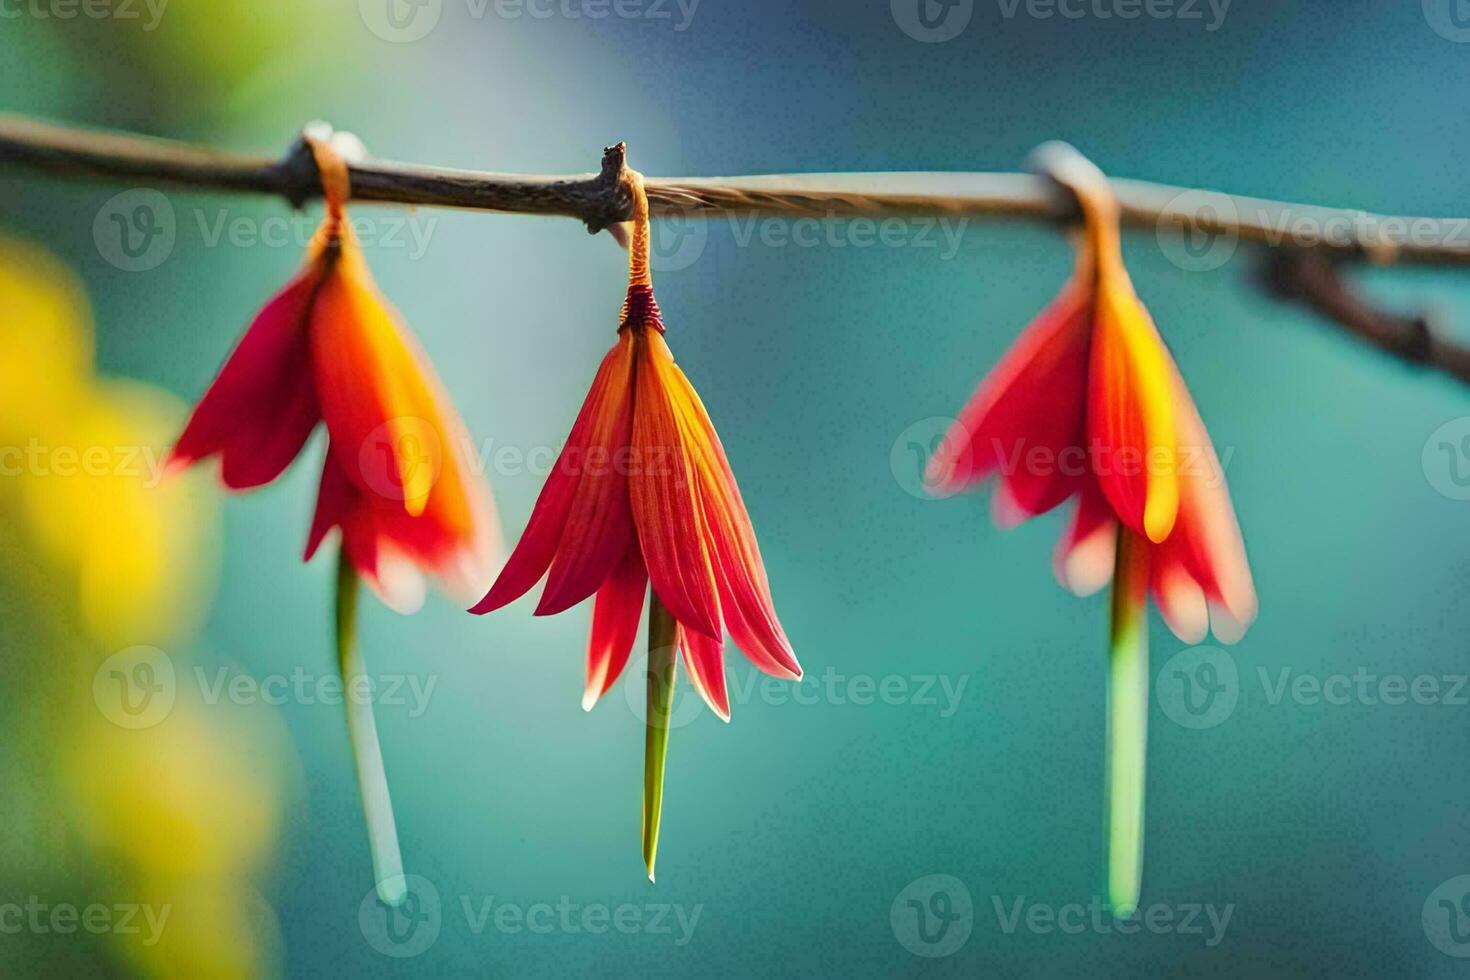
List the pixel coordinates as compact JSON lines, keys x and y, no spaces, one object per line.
{"x":1088,"y":566}
{"x":1228,"y":628}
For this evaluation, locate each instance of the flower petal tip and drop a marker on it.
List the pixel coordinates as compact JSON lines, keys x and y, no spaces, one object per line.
{"x":1158,"y":519}
{"x":491,"y":602}
{"x":1005,"y":511}
{"x":175,"y":463}
{"x":939,"y":478}
{"x":1227,"y":627}
{"x":414,"y":506}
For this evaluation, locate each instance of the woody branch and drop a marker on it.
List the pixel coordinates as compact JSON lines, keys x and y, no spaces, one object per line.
{"x":601,"y":199}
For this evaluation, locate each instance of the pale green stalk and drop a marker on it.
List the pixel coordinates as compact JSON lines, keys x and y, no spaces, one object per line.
{"x":1127,"y":723}
{"x":372,"y":781}
{"x":662,"y":649}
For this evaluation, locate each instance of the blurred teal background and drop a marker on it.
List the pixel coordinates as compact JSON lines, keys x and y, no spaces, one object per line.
{"x":794,"y":830}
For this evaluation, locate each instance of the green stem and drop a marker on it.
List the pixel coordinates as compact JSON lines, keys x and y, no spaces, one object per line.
{"x":1127,"y":723}
{"x":662,"y":650}
{"x":372,"y":781}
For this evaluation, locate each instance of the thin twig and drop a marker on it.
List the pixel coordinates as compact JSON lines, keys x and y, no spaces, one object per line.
{"x":599,"y":199}
{"x":1313,"y":280}
{"x":1305,"y":242}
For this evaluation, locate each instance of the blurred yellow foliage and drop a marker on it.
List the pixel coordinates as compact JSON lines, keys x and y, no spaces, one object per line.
{"x":86,"y":457}
{"x":102,"y":549}
{"x":190,"y":807}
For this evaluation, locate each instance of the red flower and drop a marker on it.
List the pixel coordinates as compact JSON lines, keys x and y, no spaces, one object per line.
{"x":1088,"y":404}
{"x":642,"y":494}
{"x":396,"y":480}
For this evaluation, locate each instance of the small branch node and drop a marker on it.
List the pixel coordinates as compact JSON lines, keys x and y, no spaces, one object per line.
{"x":612,"y":202}
{"x":300,"y":179}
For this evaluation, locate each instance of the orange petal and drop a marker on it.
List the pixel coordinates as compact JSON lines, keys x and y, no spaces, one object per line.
{"x":372,"y":386}
{"x":1206,"y":542}
{"x":745,"y":593}
{"x":391,"y":551}
{"x":395,"y":435}
{"x":1085,"y":554}
{"x":334,"y":500}
{"x":599,"y":524}
{"x":259,"y":411}
{"x":386,"y":569}
{"x":1180,"y":599}
{"x":705,"y":658}
{"x":1130,"y":410}
{"x":537,"y":547}
{"x":615,"y":617}
{"x":663,"y":492}
{"x":1026,"y":420}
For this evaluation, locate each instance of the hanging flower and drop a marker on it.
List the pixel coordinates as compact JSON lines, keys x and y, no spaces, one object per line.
{"x":642,"y":495}
{"x":396,"y":480}
{"x":1089,"y":404}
